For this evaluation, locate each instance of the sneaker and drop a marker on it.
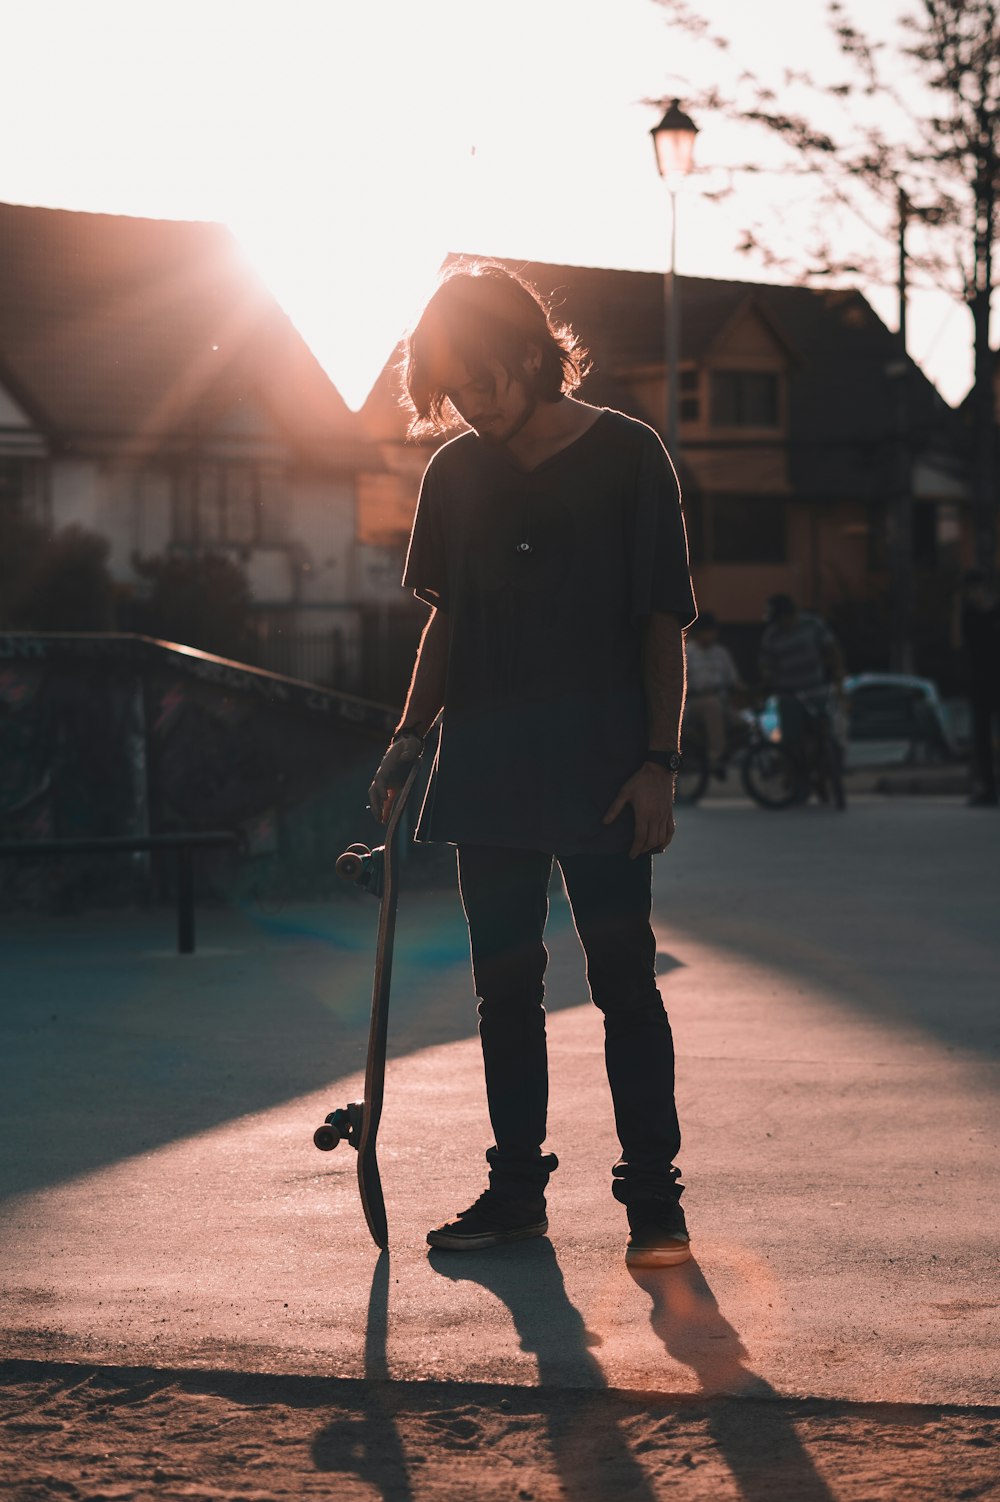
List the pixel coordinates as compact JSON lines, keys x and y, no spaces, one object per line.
{"x":491,"y":1221}
{"x":659,"y":1236}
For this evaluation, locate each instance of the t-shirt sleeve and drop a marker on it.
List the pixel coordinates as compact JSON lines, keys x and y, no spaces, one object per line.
{"x":661,"y":577}
{"x":426,"y":570}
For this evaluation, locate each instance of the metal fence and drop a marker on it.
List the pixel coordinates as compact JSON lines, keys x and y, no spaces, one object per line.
{"x":371,"y":653}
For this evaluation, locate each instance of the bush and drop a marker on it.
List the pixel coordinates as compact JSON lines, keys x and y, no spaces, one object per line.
{"x":201,"y":601}
{"x":54,"y":581}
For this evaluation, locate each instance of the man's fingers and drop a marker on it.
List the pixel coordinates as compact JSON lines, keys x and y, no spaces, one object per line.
{"x":653,"y":844}
{"x":380,"y":800}
{"x":614,"y":810}
{"x":640,"y":843}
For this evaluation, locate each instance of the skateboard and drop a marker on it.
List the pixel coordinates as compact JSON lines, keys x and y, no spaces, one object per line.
{"x":357,"y":1124}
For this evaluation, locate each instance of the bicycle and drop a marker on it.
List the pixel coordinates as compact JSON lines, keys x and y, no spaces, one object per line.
{"x":769,"y":775}
{"x":743,"y":735}
{"x":775,"y":779}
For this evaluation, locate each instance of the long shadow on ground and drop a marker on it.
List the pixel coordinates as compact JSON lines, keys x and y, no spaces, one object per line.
{"x":589,"y":1448}
{"x":111,"y":1044}
{"x":888,"y":909}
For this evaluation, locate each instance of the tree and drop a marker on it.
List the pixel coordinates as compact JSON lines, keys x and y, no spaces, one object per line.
{"x":54,"y":581}
{"x":921,"y":154}
{"x":202,"y":601}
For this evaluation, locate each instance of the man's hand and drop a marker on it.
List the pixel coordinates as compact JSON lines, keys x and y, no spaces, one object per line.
{"x":651,"y":794}
{"x":393,"y":771}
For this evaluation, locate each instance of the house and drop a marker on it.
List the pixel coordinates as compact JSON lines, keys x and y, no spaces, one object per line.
{"x":798,"y":425}
{"x":151,"y":388}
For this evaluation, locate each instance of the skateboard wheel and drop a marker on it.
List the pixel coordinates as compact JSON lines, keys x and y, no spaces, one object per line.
{"x":326,"y":1137}
{"x":350,"y":865}
{"x":358,"y":849}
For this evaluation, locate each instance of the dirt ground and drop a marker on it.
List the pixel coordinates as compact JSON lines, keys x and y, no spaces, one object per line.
{"x":74,"y":1431}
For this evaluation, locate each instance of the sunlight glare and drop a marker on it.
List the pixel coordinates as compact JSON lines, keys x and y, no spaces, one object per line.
{"x":351,"y":302}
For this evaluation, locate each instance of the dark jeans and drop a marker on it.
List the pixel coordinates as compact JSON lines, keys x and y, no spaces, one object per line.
{"x":505,"y":894}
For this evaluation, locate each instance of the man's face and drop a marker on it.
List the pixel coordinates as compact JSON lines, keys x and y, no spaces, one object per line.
{"x":493,"y":404}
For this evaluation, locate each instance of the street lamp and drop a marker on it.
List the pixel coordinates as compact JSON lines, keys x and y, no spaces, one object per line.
{"x":673,"y":142}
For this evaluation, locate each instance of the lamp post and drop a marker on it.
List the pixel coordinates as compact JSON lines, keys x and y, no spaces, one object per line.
{"x":673,"y":142}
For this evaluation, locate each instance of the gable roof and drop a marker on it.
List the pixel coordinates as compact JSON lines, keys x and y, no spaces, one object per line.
{"x":120,"y":332}
{"x":843,"y":436}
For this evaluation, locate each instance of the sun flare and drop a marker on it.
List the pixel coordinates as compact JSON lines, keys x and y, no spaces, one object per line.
{"x":351,"y":302}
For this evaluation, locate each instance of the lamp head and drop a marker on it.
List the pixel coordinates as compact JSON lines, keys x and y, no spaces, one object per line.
{"x":673,"y":141}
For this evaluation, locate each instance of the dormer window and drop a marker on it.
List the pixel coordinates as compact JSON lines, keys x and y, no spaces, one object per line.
{"x":745,"y":399}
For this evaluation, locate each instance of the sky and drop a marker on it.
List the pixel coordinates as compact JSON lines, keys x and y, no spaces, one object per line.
{"x":351,"y":143}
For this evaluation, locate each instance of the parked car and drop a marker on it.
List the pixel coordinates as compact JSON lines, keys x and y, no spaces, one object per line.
{"x":894,"y":719}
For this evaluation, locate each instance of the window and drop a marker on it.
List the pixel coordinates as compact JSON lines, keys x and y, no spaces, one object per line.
{"x":226,"y":504}
{"x":744,"y":399}
{"x":749,"y":529}
{"x":22,"y":485}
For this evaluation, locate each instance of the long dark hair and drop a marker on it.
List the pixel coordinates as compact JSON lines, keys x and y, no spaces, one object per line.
{"x":486,"y":315}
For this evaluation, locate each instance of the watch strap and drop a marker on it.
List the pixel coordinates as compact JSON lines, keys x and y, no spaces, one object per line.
{"x":671,"y":760}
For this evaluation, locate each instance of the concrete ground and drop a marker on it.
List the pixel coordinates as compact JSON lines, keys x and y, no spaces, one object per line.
{"x":831,"y":980}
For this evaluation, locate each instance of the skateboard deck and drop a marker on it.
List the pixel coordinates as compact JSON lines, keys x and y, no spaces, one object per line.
{"x":376,"y":871}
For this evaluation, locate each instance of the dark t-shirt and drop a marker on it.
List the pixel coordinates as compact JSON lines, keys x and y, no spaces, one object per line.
{"x":793,"y":657}
{"x":546,"y":578}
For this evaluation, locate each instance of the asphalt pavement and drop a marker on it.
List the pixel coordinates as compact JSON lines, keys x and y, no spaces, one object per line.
{"x":832,"y":984}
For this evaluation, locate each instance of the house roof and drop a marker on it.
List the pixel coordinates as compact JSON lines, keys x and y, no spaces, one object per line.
{"x":843,"y":414}
{"x":119,"y":331}
{"x":129,"y":333}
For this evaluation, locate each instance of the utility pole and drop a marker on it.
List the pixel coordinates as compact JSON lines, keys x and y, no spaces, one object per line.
{"x":899,"y":513}
{"x":983,"y":394}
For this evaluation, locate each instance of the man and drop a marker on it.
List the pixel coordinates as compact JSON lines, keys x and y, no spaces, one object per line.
{"x":712,"y":676}
{"x":799,"y":654}
{"x":549,"y":542}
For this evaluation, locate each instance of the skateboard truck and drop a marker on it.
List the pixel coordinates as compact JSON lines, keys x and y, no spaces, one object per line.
{"x":366,"y":868}
{"x":343,"y":1125}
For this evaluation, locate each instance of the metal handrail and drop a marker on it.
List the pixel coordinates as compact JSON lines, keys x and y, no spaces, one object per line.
{"x":182,"y":841}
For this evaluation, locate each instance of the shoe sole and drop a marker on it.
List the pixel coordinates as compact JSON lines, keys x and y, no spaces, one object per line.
{"x":656,"y":1256}
{"x":452,"y":1243}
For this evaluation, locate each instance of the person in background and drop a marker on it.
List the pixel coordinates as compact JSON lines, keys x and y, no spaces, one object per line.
{"x":712,"y":678}
{"x":979,"y":626}
{"x":799,"y":654}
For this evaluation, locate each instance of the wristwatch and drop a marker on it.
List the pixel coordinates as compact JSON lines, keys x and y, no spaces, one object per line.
{"x":410,"y":732}
{"x":671,"y":760}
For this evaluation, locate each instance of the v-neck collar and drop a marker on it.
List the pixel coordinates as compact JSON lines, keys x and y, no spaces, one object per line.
{"x":568,"y":448}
